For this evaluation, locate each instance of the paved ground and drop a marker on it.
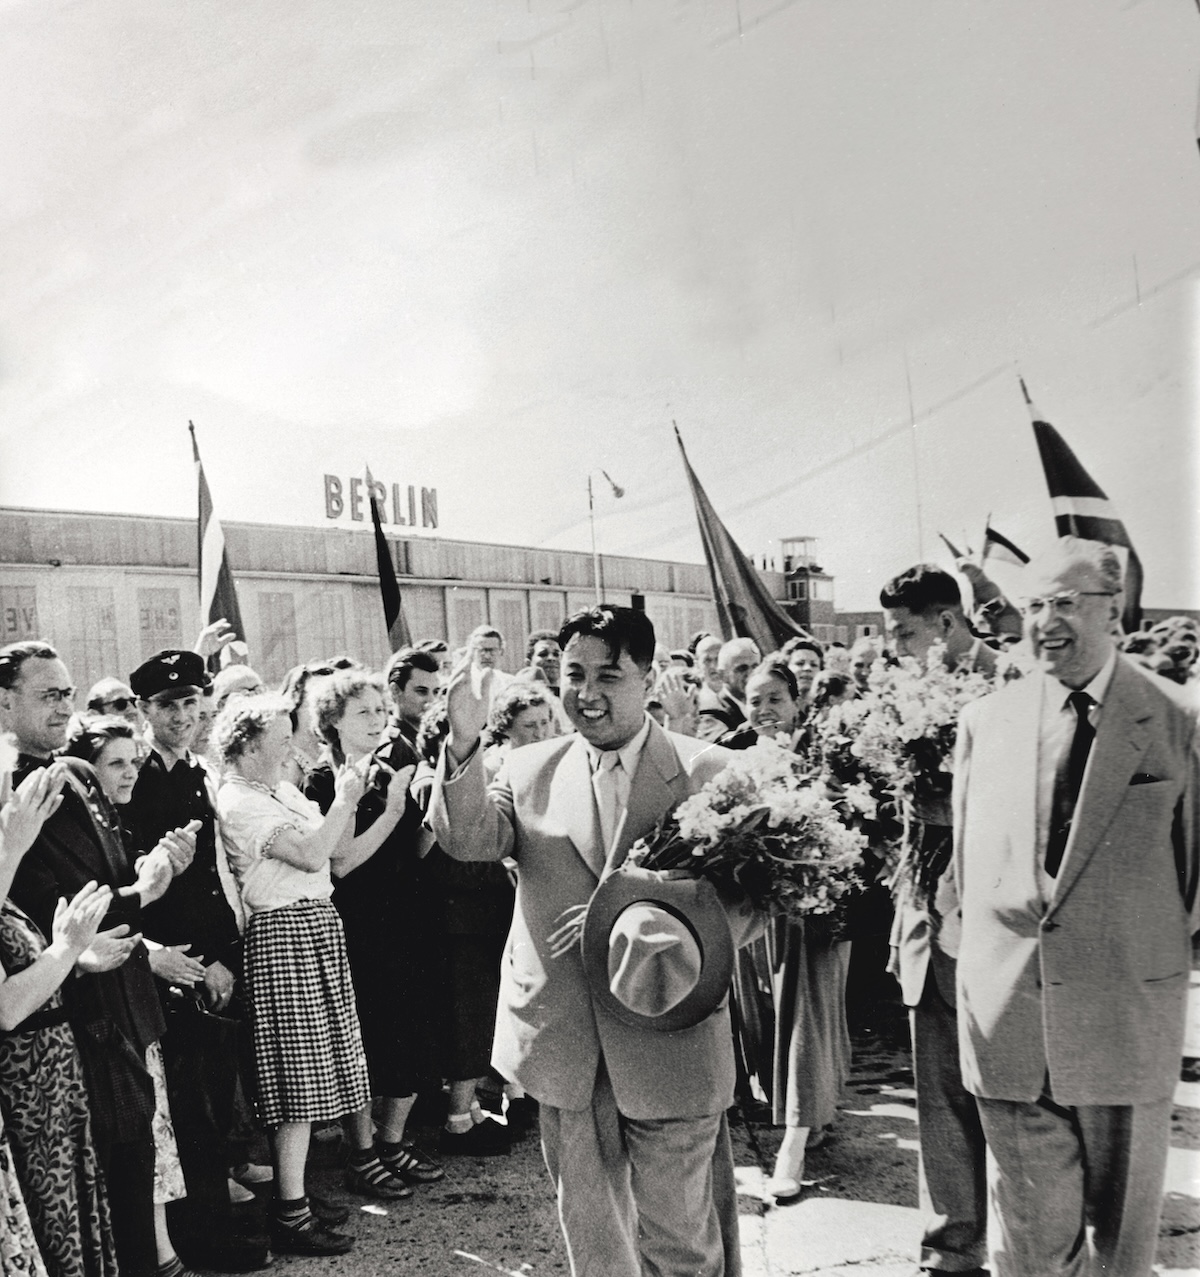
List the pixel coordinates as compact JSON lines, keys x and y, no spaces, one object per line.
{"x":857,"y":1216}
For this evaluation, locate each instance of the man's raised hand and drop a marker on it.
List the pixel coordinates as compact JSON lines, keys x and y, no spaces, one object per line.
{"x":108,"y":951}
{"x":468,"y":699}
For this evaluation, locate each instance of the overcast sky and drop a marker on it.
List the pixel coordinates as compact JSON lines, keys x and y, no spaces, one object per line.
{"x":490,"y":245}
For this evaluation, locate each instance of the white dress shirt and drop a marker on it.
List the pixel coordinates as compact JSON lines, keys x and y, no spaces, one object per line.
{"x":611,"y":784}
{"x":1056,"y":730}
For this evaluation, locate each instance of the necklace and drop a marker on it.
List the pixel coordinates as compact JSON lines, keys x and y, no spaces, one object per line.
{"x":235,"y":778}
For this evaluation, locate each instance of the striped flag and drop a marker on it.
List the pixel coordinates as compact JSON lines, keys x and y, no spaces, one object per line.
{"x":997,"y":546}
{"x":745,"y":608}
{"x":1082,"y":509}
{"x":218,"y":595}
{"x":389,"y":587}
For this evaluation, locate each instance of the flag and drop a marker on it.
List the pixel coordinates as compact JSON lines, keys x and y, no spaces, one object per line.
{"x":991,"y":611}
{"x":954,"y":550}
{"x":218,"y":595}
{"x":1082,"y":509}
{"x":745,"y":608}
{"x":389,"y":587}
{"x":999,"y":547}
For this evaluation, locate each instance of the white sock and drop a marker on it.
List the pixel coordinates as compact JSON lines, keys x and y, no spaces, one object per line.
{"x":459,"y":1123}
{"x":477,"y":1114}
{"x":789,"y":1161}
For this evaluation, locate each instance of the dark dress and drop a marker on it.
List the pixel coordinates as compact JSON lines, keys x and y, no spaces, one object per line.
{"x":386,"y":915}
{"x":45,"y":1108}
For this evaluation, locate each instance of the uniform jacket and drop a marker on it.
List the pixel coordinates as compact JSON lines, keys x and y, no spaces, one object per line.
{"x":550,"y":1035}
{"x":1092,"y":986}
{"x":717,"y":712}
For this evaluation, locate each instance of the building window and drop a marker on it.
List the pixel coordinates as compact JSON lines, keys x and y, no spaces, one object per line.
{"x":277,"y":634}
{"x":158,"y":621}
{"x":865,"y":631}
{"x":797,"y":591}
{"x":822,"y":589}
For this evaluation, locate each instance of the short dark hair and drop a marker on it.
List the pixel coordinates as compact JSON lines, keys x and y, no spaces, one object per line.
{"x":923,"y":588}
{"x":432,"y":730}
{"x":15,"y":655}
{"x":433,"y":645}
{"x":682,"y":654}
{"x":620,"y":629}
{"x":482,"y":632}
{"x":401,"y":664}
{"x":515,"y":698}
{"x":694,"y":641}
{"x":538,"y":636}
{"x":802,"y":644}
{"x":772,"y":667}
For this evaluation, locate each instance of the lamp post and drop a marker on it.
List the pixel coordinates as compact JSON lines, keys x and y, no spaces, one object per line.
{"x":618,"y":492}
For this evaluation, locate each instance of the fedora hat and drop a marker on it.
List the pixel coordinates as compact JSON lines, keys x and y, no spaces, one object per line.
{"x":657,"y":950}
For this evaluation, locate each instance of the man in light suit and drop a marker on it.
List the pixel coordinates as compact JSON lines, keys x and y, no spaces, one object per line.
{"x":723,"y":711}
{"x":1076,"y":797}
{"x":633,"y":1120}
{"x":922,"y":607}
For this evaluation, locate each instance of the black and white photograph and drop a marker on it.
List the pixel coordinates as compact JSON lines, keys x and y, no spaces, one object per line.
{"x":600,"y":638}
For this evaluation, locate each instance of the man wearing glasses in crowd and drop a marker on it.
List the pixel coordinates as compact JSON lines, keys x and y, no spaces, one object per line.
{"x":1076,"y":806}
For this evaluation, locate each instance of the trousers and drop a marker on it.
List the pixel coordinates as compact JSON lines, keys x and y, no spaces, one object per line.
{"x":1058,"y":1169}
{"x":641,"y":1197}
{"x":953,"y":1159}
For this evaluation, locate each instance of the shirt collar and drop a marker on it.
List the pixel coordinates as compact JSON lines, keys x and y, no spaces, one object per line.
{"x":628,"y":753}
{"x":1097,"y":689}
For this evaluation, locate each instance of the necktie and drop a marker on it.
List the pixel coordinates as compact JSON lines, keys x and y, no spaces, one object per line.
{"x":1068,"y":781}
{"x":606,"y":782}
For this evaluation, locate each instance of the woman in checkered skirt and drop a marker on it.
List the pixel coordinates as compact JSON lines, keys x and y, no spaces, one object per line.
{"x":308,"y":1050}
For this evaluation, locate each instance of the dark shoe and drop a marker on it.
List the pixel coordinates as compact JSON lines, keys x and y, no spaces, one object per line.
{"x":375,"y":1180}
{"x":308,"y":1237}
{"x":407,"y":1162}
{"x":227,"y":1254}
{"x":485,"y":1139}
{"x":329,"y":1213}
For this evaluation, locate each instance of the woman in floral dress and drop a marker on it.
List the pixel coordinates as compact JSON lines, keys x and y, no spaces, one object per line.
{"x":42,"y":1095}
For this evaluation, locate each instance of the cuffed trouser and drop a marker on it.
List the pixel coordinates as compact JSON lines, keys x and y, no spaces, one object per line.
{"x":640,"y":1197}
{"x":1057,"y":1170}
{"x":953,"y":1160}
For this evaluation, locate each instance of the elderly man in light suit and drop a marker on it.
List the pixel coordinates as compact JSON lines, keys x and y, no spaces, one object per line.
{"x":1075,"y":813}
{"x":633,"y":1120}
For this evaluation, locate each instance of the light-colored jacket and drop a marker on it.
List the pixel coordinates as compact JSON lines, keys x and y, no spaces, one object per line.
{"x":1090,"y":987}
{"x":549,"y":1033}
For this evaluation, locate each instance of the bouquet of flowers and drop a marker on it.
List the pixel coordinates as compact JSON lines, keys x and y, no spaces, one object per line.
{"x":764,"y":828}
{"x":901,"y":735}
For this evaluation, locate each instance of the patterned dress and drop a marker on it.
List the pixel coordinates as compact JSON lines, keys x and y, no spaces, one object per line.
{"x":19,"y":1254}
{"x":45,"y":1110}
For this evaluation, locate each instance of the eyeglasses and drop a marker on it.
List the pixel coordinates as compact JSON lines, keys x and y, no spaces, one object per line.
{"x":1065,"y":604}
{"x":57,"y":696}
{"x":118,"y":703}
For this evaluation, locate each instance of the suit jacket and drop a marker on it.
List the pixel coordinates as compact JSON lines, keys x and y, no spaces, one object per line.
{"x":915,"y":927}
{"x":1092,"y":986}
{"x":716,"y":712}
{"x":550,"y":1035}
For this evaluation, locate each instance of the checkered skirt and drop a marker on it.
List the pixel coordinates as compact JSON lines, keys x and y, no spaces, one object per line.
{"x":308,"y":1050}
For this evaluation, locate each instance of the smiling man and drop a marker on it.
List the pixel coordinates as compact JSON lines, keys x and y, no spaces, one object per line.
{"x":1076,"y":807}
{"x":633,"y":1126}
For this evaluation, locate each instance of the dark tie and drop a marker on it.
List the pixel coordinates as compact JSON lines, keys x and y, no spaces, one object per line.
{"x":1068,"y":781}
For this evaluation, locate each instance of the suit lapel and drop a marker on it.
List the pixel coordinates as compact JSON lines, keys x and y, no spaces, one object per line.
{"x":657,"y":785}
{"x":1121,"y":738}
{"x":573,"y":803}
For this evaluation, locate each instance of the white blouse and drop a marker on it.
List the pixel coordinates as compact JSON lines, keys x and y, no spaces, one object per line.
{"x":252,"y":817}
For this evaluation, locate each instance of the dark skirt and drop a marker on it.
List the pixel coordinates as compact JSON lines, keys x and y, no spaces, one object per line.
{"x":308,"y":1048}
{"x":471,"y":984}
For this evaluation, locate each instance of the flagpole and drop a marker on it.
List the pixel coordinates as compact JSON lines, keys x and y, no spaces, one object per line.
{"x":912,"y":421}
{"x":595,"y":553}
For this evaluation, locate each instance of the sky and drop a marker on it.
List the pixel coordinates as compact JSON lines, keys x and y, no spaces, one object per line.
{"x":492,"y":246}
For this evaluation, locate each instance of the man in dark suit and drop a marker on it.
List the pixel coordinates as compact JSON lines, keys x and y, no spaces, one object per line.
{"x":723,"y":711}
{"x":922,"y":608}
{"x":1076,"y":808}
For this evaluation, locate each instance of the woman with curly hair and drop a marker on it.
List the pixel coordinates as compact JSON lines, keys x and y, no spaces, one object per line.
{"x":378,"y":893}
{"x":308,"y":1052}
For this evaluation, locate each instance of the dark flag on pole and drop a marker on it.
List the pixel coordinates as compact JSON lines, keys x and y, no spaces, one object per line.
{"x":745,"y":608}
{"x":999,"y":547}
{"x":1082,"y":509}
{"x":389,"y":587}
{"x":218,"y":595}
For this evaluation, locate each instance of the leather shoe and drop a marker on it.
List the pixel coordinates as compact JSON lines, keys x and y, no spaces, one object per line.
{"x":329,"y":1213}
{"x":485,"y":1139}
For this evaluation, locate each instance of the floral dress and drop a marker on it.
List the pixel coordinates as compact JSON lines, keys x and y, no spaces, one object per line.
{"x":45,"y":1112}
{"x":19,"y":1254}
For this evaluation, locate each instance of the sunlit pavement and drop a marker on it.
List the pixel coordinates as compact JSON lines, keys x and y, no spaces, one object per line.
{"x":858,"y":1212}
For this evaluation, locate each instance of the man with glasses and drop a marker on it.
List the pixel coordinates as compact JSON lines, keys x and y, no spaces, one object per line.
{"x":112,"y":697}
{"x":1076,"y":866}
{"x":113,"y":1005}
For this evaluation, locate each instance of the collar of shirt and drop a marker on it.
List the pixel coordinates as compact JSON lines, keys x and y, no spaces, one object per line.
{"x":1097,"y":689}
{"x":187,"y":757}
{"x":629,"y":753}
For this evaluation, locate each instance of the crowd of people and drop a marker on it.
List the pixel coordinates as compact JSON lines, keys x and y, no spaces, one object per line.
{"x":231,"y":912}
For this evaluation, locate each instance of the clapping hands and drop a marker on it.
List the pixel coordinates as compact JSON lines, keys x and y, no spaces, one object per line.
{"x":108,"y":951}
{"x":77,"y":921}
{"x":25,"y":810}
